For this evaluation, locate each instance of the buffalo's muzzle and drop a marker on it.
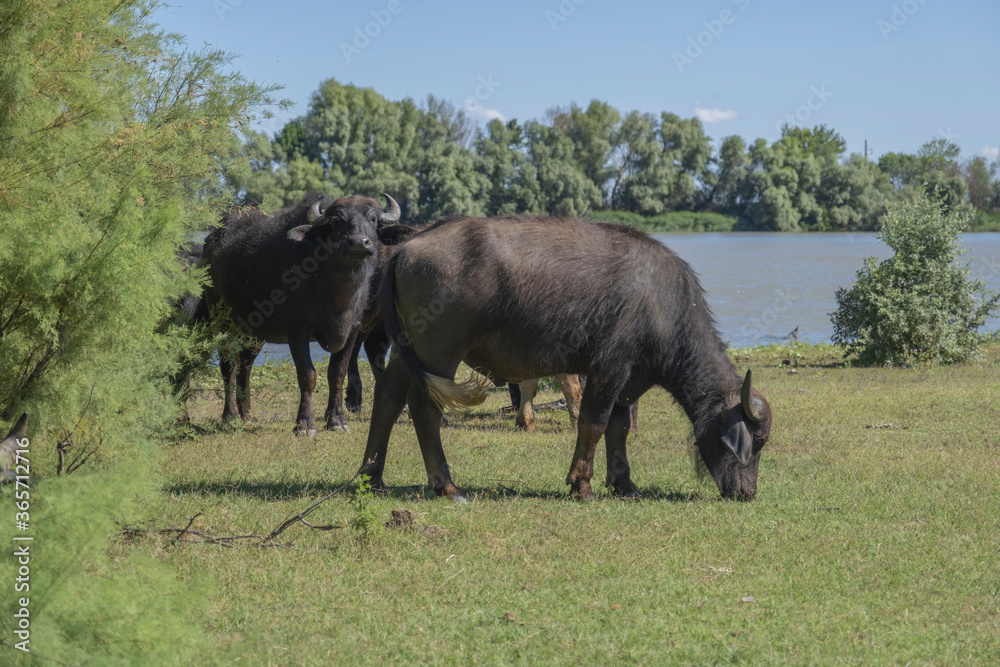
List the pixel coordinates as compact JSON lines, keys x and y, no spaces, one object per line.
{"x":359,"y":245}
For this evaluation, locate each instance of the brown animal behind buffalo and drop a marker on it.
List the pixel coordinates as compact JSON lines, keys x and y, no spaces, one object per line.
{"x":492,"y":293}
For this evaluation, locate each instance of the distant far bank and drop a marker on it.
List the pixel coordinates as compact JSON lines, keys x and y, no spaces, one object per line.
{"x":697,"y":221}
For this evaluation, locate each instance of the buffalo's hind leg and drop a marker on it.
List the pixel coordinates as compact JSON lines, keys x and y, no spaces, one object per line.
{"x":525,"y":419}
{"x":391,"y":389}
{"x":571,"y":389}
{"x":245,"y":366}
{"x":353,"y":388}
{"x":427,"y":423}
{"x":619,"y":476}
{"x":236,"y":383}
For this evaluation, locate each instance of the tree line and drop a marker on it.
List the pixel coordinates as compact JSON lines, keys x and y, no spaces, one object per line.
{"x":594,"y":160}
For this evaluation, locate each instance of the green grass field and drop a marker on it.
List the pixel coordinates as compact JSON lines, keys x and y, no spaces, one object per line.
{"x":874,"y":538}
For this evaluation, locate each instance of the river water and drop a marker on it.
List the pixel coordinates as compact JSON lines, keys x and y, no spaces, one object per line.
{"x":762,"y":286}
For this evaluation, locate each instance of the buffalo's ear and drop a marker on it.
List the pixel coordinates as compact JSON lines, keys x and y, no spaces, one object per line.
{"x":307,"y":233}
{"x":739,"y":441}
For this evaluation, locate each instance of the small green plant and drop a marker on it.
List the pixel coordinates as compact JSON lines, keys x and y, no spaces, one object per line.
{"x":919,"y":305}
{"x":364,"y":502}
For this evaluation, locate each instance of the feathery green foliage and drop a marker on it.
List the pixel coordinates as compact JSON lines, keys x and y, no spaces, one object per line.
{"x":111,"y":143}
{"x":87,"y":608}
{"x":112,"y":138}
{"x":918,"y":305}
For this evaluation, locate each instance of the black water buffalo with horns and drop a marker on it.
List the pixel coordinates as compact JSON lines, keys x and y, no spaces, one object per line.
{"x":492,"y":293}
{"x":302,"y":274}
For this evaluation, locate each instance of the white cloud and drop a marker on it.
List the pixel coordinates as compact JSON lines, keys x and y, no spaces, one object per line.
{"x":479,"y":112}
{"x":991,"y":152}
{"x":715,"y":115}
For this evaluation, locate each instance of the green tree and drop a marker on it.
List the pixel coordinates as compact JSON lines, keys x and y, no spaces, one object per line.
{"x":102,"y":177}
{"x":112,"y":138}
{"x":769,"y":190}
{"x":594,"y":134}
{"x":444,"y":169}
{"x":820,"y":142}
{"x":644,"y":179}
{"x":688,"y":150}
{"x":853,"y":195}
{"x":934,"y":168}
{"x":982,"y":183}
{"x":513,"y":184}
{"x":728,"y":169}
{"x":565,"y":190}
{"x":918,"y":305}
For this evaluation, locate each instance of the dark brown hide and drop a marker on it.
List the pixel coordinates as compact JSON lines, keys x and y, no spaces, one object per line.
{"x":492,"y":293}
{"x":302,"y":274}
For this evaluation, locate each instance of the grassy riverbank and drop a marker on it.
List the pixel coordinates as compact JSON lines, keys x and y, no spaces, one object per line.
{"x":675,"y":221}
{"x":874,"y":537}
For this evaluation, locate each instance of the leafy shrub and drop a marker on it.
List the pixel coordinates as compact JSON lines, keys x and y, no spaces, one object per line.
{"x":918,"y":305}
{"x":365,"y":518}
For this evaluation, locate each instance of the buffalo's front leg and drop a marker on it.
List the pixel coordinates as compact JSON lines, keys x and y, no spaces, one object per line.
{"x":595,"y":411}
{"x":391,"y":389}
{"x":619,"y":473}
{"x":336,"y":419}
{"x":305,"y":421}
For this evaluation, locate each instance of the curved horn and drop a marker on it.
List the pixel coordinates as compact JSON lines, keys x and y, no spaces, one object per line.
{"x":316,"y":212}
{"x":392,"y":215}
{"x":747,"y":400}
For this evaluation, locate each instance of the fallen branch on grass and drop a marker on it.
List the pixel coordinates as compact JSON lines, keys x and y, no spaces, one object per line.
{"x":262,"y":540}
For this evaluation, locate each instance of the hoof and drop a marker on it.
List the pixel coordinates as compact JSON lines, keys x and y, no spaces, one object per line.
{"x":302,"y":432}
{"x":337,"y":427}
{"x":629,"y":495}
{"x":587,"y":497}
{"x":459,"y":499}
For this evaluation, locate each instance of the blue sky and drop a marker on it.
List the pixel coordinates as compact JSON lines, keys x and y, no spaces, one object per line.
{"x":894,"y":72}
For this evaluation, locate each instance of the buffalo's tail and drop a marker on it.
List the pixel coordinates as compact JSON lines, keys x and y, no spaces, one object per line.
{"x":458,"y":397}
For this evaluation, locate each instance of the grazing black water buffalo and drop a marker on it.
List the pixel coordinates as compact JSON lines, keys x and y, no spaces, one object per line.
{"x":302,"y":274}
{"x":492,"y":293}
